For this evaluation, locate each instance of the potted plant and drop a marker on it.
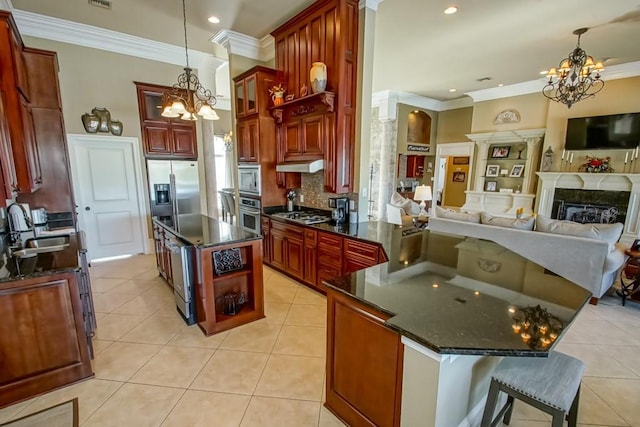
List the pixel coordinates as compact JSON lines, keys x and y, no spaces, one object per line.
{"x":277,"y":94}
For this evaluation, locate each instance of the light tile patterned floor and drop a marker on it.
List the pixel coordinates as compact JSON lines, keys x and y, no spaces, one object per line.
{"x":153,"y":370}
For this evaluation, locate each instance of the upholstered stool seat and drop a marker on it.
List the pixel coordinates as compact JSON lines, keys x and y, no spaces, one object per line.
{"x":551,"y":384}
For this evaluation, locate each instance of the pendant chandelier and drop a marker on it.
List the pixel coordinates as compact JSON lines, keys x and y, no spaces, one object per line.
{"x":188,"y":97}
{"x":577,"y":77}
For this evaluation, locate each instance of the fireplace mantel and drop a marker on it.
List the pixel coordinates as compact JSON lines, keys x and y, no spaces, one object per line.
{"x":549,"y":181}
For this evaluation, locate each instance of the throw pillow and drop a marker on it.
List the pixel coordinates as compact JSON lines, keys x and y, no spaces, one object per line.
{"x":400,"y":202}
{"x":609,"y":233}
{"x":517,"y":223}
{"x":458,"y":216}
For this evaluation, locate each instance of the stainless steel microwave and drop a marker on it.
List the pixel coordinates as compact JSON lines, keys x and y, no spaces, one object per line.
{"x":249,"y":179}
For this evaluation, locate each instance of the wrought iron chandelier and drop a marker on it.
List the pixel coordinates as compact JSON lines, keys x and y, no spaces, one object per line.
{"x":188,"y":97}
{"x":576,"y":78}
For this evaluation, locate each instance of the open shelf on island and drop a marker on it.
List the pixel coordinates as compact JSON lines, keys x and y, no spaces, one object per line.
{"x":246,"y":269}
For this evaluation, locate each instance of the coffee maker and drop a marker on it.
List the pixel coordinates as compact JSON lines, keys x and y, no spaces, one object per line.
{"x":340,"y":213}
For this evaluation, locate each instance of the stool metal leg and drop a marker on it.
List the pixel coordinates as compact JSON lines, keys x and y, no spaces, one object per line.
{"x":490,"y":406}
{"x":558,"y":418}
{"x":507,"y":416}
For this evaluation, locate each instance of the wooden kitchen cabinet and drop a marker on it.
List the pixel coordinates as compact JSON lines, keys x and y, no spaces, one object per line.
{"x":310,"y":256}
{"x":265,"y":230}
{"x":415,"y":166}
{"x":330,"y":256}
{"x":44,"y":330}
{"x":364,"y":364}
{"x":287,"y":248}
{"x":248,"y":137}
{"x":304,"y":137}
{"x":246,"y":92}
{"x":8,"y":176}
{"x":359,"y":255}
{"x":163,"y":137}
{"x":326,"y":31}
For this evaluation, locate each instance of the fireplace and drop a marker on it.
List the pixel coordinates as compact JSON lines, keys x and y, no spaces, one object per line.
{"x":588,"y":206}
{"x":587,"y":197}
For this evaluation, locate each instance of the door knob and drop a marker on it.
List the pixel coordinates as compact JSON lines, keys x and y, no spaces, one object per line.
{"x":87,"y":208}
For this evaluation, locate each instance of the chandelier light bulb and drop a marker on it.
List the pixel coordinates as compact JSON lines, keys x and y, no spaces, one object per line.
{"x":189,"y":116}
{"x":178,"y":107}
{"x":212,"y":116}
{"x":168,"y":112}
{"x":205,"y":110}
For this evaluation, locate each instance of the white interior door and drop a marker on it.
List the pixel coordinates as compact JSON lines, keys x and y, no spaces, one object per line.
{"x":107,"y":187}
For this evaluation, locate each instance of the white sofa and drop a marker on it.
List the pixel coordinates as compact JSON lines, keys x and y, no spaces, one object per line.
{"x":587,"y":262}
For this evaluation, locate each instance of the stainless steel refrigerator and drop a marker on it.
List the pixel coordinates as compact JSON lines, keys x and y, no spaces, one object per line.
{"x":173,"y":188}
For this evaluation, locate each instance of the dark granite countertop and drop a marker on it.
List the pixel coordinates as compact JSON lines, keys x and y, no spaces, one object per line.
{"x":204,"y":231}
{"x":458,"y":295}
{"x":44,"y":264}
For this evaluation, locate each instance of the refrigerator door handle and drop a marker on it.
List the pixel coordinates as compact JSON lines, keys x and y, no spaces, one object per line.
{"x":172,"y":183}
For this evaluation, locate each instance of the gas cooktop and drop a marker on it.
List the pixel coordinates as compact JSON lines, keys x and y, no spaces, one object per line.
{"x":303,"y":217}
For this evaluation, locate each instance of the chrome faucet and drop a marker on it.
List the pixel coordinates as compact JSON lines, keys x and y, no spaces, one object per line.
{"x":14,"y":233}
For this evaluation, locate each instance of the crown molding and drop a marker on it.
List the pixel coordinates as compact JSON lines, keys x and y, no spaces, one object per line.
{"x":620,"y":71}
{"x":61,"y":30}
{"x":241,"y":44}
{"x":369,"y":4}
{"x":387,"y":101}
{"x":6,"y":5}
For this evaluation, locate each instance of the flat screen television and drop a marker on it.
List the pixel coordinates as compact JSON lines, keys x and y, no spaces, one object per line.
{"x":603,"y":132}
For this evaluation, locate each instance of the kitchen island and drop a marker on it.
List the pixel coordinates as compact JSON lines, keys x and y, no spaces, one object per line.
{"x":46,"y":318}
{"x":226,"y":274}
{"x":413,"y":341}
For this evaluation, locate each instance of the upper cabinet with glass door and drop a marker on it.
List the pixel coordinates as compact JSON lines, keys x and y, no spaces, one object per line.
{"x":247,"y":96}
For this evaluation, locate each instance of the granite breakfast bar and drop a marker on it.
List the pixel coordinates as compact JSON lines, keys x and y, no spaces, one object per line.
{"x":413,"y":341}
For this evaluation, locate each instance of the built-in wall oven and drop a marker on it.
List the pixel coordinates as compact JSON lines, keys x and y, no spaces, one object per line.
{"x":249,"y":179}
{"x":249,"y":214}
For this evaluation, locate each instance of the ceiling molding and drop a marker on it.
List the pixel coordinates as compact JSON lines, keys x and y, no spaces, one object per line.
{"x":61,"y":30}
{"x":369,"y":4}
{"x":621,"y":71}
{"x":6,"y":5}
{"x":387,"y":101}
{"x":241,"y":44}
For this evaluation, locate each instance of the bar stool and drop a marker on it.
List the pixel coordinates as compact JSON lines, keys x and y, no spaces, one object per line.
{"x":550,"y":384}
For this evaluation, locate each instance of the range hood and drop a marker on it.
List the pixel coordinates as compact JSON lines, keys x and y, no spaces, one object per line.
{"x":304,"y":167}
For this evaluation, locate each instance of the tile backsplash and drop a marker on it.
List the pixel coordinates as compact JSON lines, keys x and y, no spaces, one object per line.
{"x":313,"y":191}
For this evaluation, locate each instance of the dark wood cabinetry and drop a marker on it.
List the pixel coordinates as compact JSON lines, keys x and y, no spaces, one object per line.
{"x":248,"y":99}
{"x":163,"y":137}
{"x":327,"y":31}
{"x":364,"y":364}
{"x":14,"y":81}
{"x":415,"y":166}
{"x":8,"y":177}
{"x":248,"y":137}
{"x":55,"y":192}
{"x":329,"y":258}
{"x":287,"y":248}
{"x":265,"y":229}
{"x":43,"y":340}
{"x":310,"y":256}
{"x":359,"y":255}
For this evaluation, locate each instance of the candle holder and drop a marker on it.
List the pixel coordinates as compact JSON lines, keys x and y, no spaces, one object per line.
{"x":536,"y":326}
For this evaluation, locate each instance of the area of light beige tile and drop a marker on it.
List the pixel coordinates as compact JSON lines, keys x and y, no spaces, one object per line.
{"x":256,"y":336}
{"x":106,"y":302}
{"x":301,"y":341}
{"x":206,"y":409}
{"x":173,"y":367}
{"x":269,"y":412}
{"x":121,"y":360}
{"x":600,"y":332}
{"x":307,"y":315}
{"x":112,"y":326}
{"x":621,"y":395}
{"x":327,"y":419}
{"x":231,"y":372}
{"x":146,"y":304}
{"x":279,"y":293}
{"x":149,"y":274}
{"x":136,"y":405}
{"x":598,"y":362}
{"x":103,"y":284}
{"x":100,"y":345}
{"x":293,"y":377}
{"x":523,"y":411}
{"x":626,"y":355}
{"x":527,"y":423}
{"x":13,"y":411}
{"x":276,"y":312}
{"x":593,"y":410}
{"x":194,"y":337}
{"x":136,"y":286}
{"x":307,"y":296}
{"x":90,"y":393}
{"x":155,"y":330}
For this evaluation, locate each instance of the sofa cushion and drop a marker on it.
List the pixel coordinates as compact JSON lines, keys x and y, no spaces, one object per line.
{"x":609,"y":233}
{"x":458,"y":216}
{"x":407,"y":205}
{"x":518,"y":223}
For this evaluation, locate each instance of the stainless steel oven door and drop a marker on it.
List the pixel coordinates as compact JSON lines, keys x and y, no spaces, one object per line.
{"x":249,"y":179}
{"x":249,"y":219}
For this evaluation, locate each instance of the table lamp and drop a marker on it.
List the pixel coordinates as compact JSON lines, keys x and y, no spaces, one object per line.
{"x":422,"y":194}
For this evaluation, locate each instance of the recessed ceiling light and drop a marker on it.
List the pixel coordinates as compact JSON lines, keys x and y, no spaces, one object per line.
{"x":500,"y":84}
{"x":214,"y":19}
{"x":452,"y":90}
{"x":544,"y":71}
{"x":451,"y":10}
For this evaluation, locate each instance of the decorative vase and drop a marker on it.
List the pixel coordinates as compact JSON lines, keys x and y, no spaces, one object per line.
{"x":104,"y":116}
{"x":278,"y":98}
{"x":318,"y":77}
{"x":116,"y":127}
{"x":91,"y":122}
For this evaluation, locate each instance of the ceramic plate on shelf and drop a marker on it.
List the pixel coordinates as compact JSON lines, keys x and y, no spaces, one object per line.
{"x":227,"y":260}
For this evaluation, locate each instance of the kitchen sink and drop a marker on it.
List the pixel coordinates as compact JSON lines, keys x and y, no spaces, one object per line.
{"x":41,"y":245}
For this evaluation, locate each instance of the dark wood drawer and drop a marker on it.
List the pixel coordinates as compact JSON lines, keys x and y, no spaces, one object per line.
{"x":289,"y":230}
{"x":365,"y":251}
{"x":329,"y":259}
{"x":327,"y":273}
{"x":310,"y":237}
{"x":330,"y":240}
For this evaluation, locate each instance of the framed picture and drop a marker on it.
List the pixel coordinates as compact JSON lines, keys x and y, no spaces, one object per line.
{"x":460,"y":160}
{"x":500,"y":152}
{"x":493,"y":170}
{"x":491,"y":186}
{"x":459,"y":176}
{"x":516,"y":171}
